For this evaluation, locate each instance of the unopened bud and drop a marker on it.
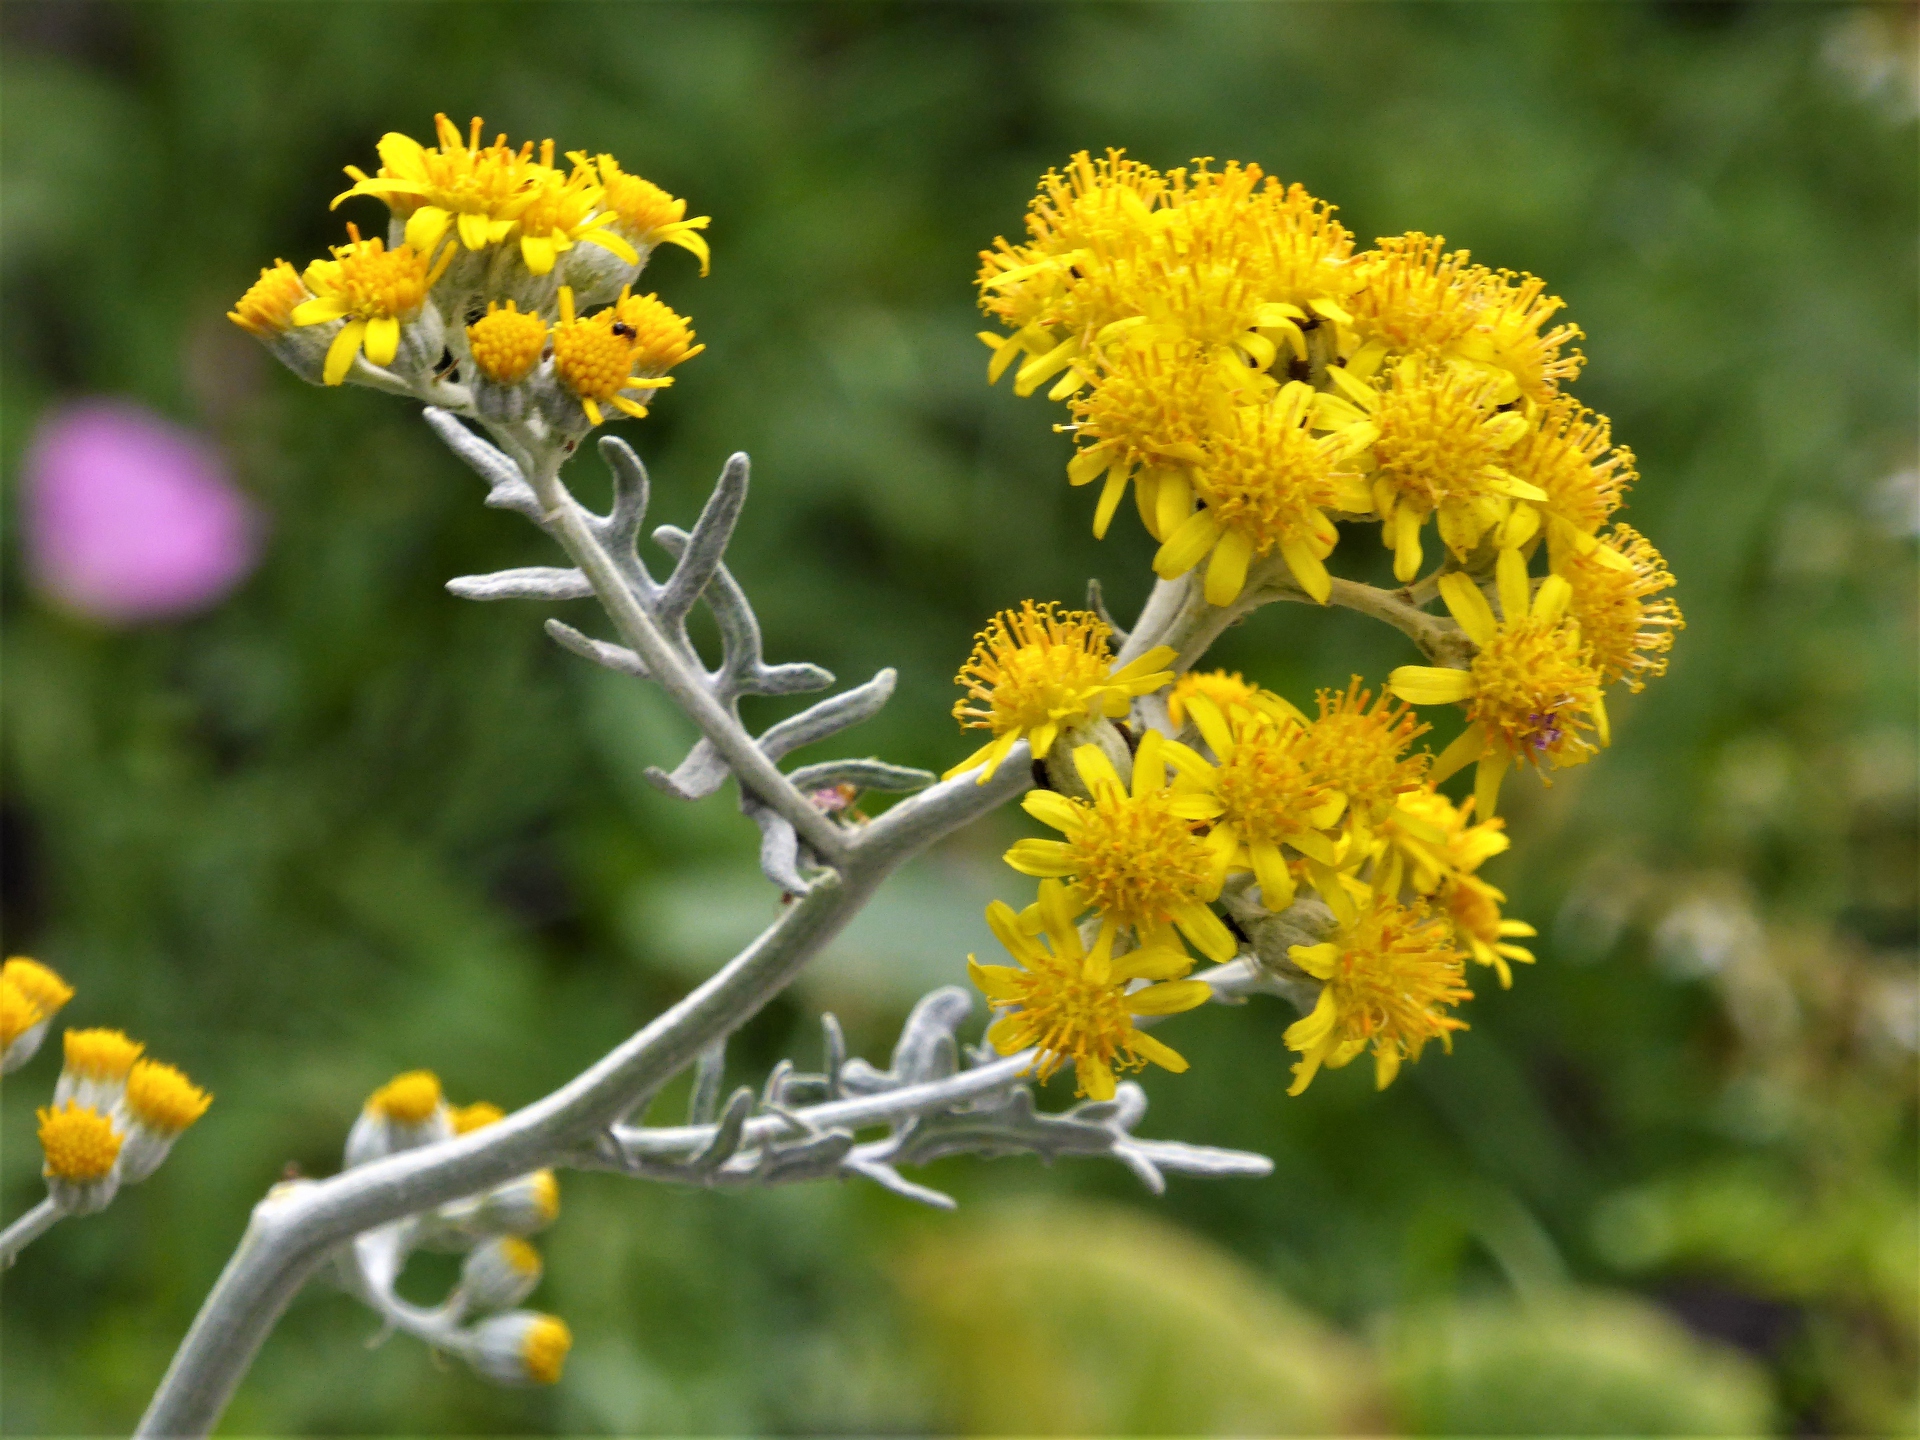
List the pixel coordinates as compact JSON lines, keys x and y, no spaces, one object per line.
{"x":521,"y":1347}
{"x":403,"y":1114}
{"x":499,"y":1273}
{"x":82,"y":1150}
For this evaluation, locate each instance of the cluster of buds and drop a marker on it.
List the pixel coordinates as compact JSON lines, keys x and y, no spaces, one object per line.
{"x":115,"y":1113}
{"x":1259,"y":382}
{"x":503,"y":278}
{"x":480,"y":1320}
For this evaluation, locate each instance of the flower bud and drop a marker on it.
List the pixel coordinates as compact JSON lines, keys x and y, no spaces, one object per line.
{"x":423,"y":340}
{"x":81,"y":1148}
{"x":521,"y":1347}
{"x":30,"y":993}
{"x":520,"y":1207}
{"x":499,"y":1273}
{"x":406,"y":1112}
{"x":266,"y":313}
{"x":476,"y":1116}
{"x":97,"y":1062}
{"x":596,"y":274}
{"x":158,"y":1105}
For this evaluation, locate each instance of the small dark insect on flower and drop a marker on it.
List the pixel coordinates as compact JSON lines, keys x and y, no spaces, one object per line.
{"x":623,"y":330}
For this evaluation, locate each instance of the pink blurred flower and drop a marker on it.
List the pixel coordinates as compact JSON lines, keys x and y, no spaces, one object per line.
{"x":127,"y":517}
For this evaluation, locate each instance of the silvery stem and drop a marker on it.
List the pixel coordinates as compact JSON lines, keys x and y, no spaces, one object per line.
{"x":27,"y":1229}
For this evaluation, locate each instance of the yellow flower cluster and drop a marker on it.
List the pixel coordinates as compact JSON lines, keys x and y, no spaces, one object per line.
{"x":492,"y":261}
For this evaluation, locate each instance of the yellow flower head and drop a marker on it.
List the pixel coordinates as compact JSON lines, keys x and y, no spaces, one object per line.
{"x":1436,"y":434}
{"x":161,"y":1097}
{"x":508,"y":343}
{"x":1266,"y":483}
{"x":628,"y":346}
{"x":1473,"y":908}
{"x":1413,"y":294}
{"x":1359,"y":745}
{"x":1508,"y":335}
{"x":1387,"y":980}
{"x":546,"y":1194}
{"x":1072,"y":1003}
{"x":1227,"y":691}
{"x":1149,"y":407}
{"x":1531,"y":691}
{"x":1629,"y":631}
{"x":38,"y":983}
{"x":561,"y":211}
{"x":1426,"y":840}
{"x":100,"y":1054}
{"x":1040,"y":670}
{"x":409,"y":1099}
{"x":1569,"y":456}
{"x":648,"y":215}
{"x":374,"y":290}
{"x":478,"y":190}
{"x":1265,"y":796}
{"x":544,"y":1347}
{"x":80,"y":1144}
{"x":1136,"y":857}
{"x":266,"y":310}
{"x":477,"y":1116}
{"x":18,"y":1013}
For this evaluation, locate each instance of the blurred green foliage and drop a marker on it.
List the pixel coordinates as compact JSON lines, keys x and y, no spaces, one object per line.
{"x":345,"y":825}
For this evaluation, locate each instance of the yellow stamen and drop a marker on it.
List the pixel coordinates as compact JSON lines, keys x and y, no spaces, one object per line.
{"x":80,"y":1144}
{"x":408,"y":1098}
{"x":163,"y":1099}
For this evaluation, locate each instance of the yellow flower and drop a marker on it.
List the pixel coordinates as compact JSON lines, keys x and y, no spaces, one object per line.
{"x":1435,"y":432}
{"x":266,"y":310}
{"x":18,"y":1013}
{"x":479,"y":191}
{"x":1074,"y":1004}
{"x":1266,"y":483}
{"x":1530,"y":691}
{"x":409,"y":1099}
{"x":1358,"y":745}
{"x":1629,"y":631}
{"x":1414,"y":295}
{"x":1265,"y":796}
{"x":1038,"y":671}
{"x":374,"y":290}
{"x":1507,"y":335}
{"x":1427,"y":839}
{"x":506,"y":344}
{"x":161,"y":1098}
{"x":477,"y":1116}
{"x":38,"y":983}
{"x":561,"y":211}
{"x":646,"y":214}
{"x":1473,"y":907}
{"x":628,"y":346}
{"x":1569,"y":456}
{"x":1148,"y":407}
{"x":80,"y":1144}
{"x":1134,"y":857}
{"x":1226,"y":691}
{"x":105,"y":1055}
{"x":1387,"y":980}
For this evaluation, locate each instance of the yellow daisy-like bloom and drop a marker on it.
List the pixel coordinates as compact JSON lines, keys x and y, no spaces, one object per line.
{"x":628,"y":346}
{"x":561,"y":211}
{"x":80,"y":1144}
{"x":100,"y":1054}
{"x":477,"y":1116}
{"x":18,"y":1013}
{"x":1629,"y":631}
{"x":1264,"y":796}
{"x":1133,"y":856}
{"x":1359,"y":745}
{"x":1508,"y":335}
{"x":1387,"y":980}
{"x":161,"y":1097}
{"x":1570,"y":457}
{"x":409,"y":1099}
{"x":544,"y":1349}
{"x":508,"y":343}
{"x":1530,"y":691}
{"x":1473,"y":907}
{"x":480,"y":191}
{"x":1266,"y":483}
{"x":41,"y":985}
{"x":1038,"y":671}
{"x":266,"y":310}
{"x":1073,"y":1004}
{"x":1435,"y":433}
{"x":646,"y":214}
{"x":1227,"y":691}
{"x":1413,"y":294}
{"x":1148,"y":408}
{"x":1427,"y":840}
{"x":374,"y":290}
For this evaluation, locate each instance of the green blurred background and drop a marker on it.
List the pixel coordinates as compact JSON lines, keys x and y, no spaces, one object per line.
{"x":344,"y":825}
